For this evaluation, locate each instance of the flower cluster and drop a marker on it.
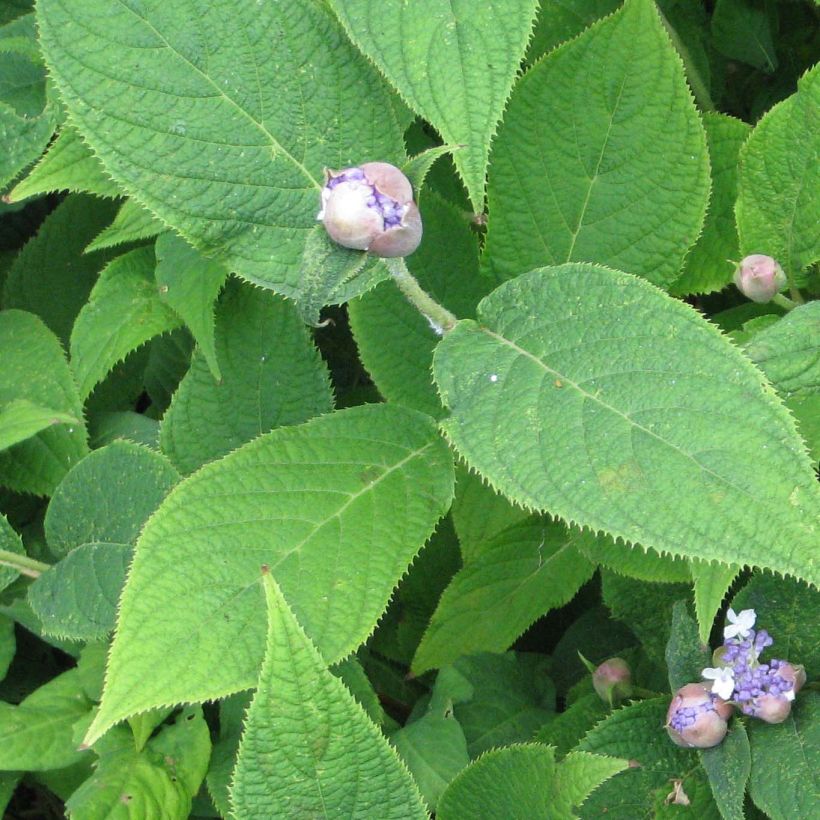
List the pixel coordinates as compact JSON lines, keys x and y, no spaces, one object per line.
{"x":759,"y":689}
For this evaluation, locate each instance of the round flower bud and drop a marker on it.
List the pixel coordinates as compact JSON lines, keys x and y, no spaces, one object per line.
{"x":371,"y":208}
{"x":612,"y":680}
{"x":772,"y":708}
{"x":759,"y":277}
{"x":792,"y":674}
{"x":697,"y":718}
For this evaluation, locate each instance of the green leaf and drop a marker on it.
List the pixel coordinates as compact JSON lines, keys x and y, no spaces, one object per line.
{"x":50,"y":276}
{"x":557,"y":398}
{"x":561,"y":20}
{"x":364,"y":485}
{"x":778,"y":201}
{"x":686,"y":656}
{"x":35,"y":370}
{"x":123,"y":312}
{"x":577,"y":775}
{"x":189,"y":284}
{"x":272,"y":376}
{"x":21,"y":419}
{"x":633,"y":561}
{"x":77,"y":598}
{"x":8,"y":643}
{"x":567,"y":728}
{"x":308,"y":748}
{"x":806,"y":411}
{"x":131,"y":224}
{"x":741,"y":30}
{"x":505,"y":586}
{"x":727,"y":767}
{"x":38,"y":734}
{"x":788,"y":351}
{"x":232,"y":711}
{"x":395,"y":341}
{"x":601,"y":157}
{"x":8,"y":783}
{"x":68,"y":165}
{"x":785,"y":778}
{"x":416,"y":168}
{"x":10,"y":541}
{"x":453,"y":61}
{"x":108,"y":497}
{"x":711,"y":581}
{"x":22,"y":83}
{"x":708,"y":266}
{"x":112,"y":426}
{"x":219,"y":119}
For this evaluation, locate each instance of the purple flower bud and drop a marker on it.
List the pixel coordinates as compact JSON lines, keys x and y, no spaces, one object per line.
{"x":772,"y":708}
{"x":759,"y":277}
{"x":697,"y":718}
{"x":791,"y":674}
{"x":371,"y":208}
{"x":612,"y":680}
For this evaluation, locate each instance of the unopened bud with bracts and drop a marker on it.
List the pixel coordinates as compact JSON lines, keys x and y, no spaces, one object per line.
{"x":697,"y":718}
{"x":371,"y":208}
{"x":759,"y":277}
{"x":612,"y":680}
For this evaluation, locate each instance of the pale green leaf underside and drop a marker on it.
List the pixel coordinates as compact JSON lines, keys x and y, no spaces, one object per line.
{"x":778,"y":204}
{"x":588,"y":393}
{"x":219,"y":118}
{"x":454,"y":61}
{"x":601,"y":156}
{"x":20,"y":419}
{"x":337,"y":507}
{"x":131,"y":223}
{"x":308,"y":749}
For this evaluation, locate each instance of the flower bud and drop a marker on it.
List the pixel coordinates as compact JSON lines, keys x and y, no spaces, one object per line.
{"x":612,"y":680}
{"x":772,"y":708}
{"x":371,"y":208}
{"x":697,"y":718}
{"x":759,"y":277}
{"x":792,"y":674}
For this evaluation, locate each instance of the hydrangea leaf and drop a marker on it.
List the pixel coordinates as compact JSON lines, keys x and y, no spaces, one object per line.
{"x":512,"y":580}
{"x":588,"y":393}
{"x":110,"y":426}
{"x":785,"y":779}
{"x":778,"y":203}
{"x":232,"y":711}
{"x":272,"y":376}
{"x":10,"y":541}
{"x":567,"y":728}
{"x":743,"y":31}
{"x":365,"y":485}
{"x":189,"y":283}
{"x":35,"y":370}
{"x":8,"y":647}
{"x":686,"y":655}
{"x":21,"y":419}
{"x":395,"y":341}
{"x":708,"y":266}
{"x":727,"y":767}
{"x":123,"y":312}
{"x":711,"y":583}
{"x":560,"y":21}
{"x":219,"y":119}
{"x":453,"y":61}
{"x":577,"y":775}
{"x":633,"y":561}
{"x":107,"y":497}
{"x":308,"y":747}
{"x":601,"y":156}
{"x":131,"y":224}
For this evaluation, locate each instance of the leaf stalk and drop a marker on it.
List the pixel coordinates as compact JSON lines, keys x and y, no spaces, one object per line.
{"x":440,"y":319}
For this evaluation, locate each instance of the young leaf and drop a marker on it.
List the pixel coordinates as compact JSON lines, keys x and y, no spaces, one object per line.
{"x":35,"y":370}
{"x":686,"y":656}
{"x":511,"y":580}
{"x":560,"y":400}
{"x":337,"y":507}
{"x":272,"y":376}
{"x":727,"y":767}
{"x":711,"y":581}
{"x":308,"y":748}
{"x":778,"y":201}
{"x":187,"y":108}
{"x":131,"y":223}
{"x":107,"y":497}
{"x":601,"y":156}
{"x":454,"y":61}
{"x":123,"y":312}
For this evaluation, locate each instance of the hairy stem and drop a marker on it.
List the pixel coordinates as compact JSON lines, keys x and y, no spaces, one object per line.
{"x":22,"y":563}
{"x":440,"y":319}
{"x":784,"y":301}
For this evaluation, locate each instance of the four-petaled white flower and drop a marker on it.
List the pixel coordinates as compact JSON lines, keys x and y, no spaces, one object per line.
{"x":724,"y":680}
{"x":739,"y":624}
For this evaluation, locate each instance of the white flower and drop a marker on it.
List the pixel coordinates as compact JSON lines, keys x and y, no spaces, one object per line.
{"x":739,"y":624}
{"x":724,"y":680}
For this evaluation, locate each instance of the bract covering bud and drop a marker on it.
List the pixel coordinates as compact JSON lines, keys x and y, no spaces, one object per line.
{"x":759,"y":277}
{"x":371,"y":208}
{"x":697,"y":717}
{"x":612,"y":680}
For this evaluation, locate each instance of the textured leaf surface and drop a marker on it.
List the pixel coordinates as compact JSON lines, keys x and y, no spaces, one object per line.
{"x":11,"y":542}
{"x":728,"y":767}
{"x":634,"y":562}
{"x":561,"y":20}
{"x":107,"y":497}
{"x":567,"y":728}
{"x":601,"y":157}
{"x":131,"y":223}
{"x":578,"y":774}
{"x":711,"y":582}
{"x":232,"y":712}
{"x":610,"y":405}
{"x":708,"y":266}
{"x":785,"y":778}
{"x":123,"y":312}
{"x":189,"y":284}
{"x":35,"y":370}
{"x":454,"y":61}
{"x":77,"y":597}
{"x":686,"y":656}
{"x":778,"y":204}
{"x":336,"y":507}
{"x":219,"y":119}
{"x":20,"y":419}
{"x":272,"y":376}
{"x":513,"y":579}
{"x":309,"y":749}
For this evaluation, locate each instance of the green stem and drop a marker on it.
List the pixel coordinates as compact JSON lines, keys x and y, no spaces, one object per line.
{"x":22,"y":563}
{"x":784,"y":301}
{"x":440,"y":319}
